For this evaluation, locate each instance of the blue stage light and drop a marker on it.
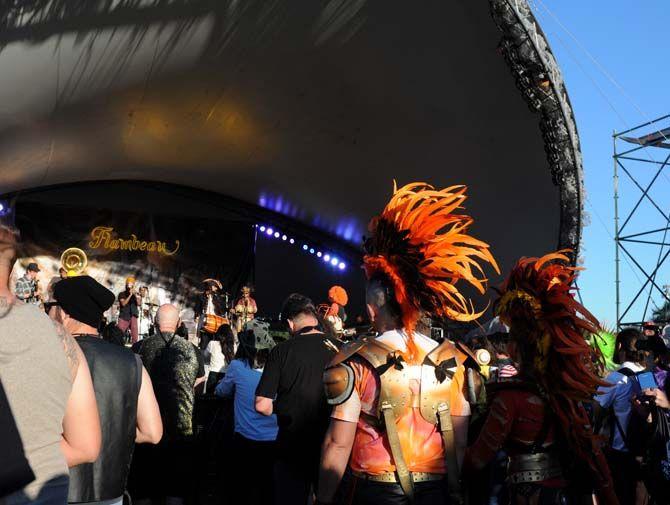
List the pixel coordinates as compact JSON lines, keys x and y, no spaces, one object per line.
{"x":276,"y":234}
{"x":292,"y":241}
{"x":342,"y":265}
{"x":326,"y":257}
{"x":304,"y":247}
{"x":262,"y":228}
{"x":319,"y":254}
{"x":270,"y":231}
{"x":284,"y":237}
{"x":311,"y":251}
{"x":334,"y":262}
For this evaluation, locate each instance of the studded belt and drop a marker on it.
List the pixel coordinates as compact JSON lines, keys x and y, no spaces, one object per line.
{"x":391,"y":477}
{"x":533,"y":468}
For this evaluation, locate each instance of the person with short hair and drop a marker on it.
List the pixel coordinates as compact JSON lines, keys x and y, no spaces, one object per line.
{"x":614,"y":405}
{"x":291,"y":387}
{"x":26,"y":286}
{"x":41,"y":362}
{"x":253,"y":448}
{"x":128,"y":409}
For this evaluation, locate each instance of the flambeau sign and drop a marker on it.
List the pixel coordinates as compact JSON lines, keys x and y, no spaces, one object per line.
{"x":102,"y":237}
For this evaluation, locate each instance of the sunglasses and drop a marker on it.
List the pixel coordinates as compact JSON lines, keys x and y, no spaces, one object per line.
{"x":48,"y":305}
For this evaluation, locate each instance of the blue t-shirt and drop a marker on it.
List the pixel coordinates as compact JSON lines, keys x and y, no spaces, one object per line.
{"x":241,"y":381}
{"x":619,"y":396}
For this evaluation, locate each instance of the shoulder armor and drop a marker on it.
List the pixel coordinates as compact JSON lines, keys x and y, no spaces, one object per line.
{"x":443,"y":352}
{"x":456,"y":350}
{"x":367,"y":347}
{"x":338,"y":382}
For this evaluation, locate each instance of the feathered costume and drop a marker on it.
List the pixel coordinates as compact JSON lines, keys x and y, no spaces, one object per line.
{"x":549,"y":328}
{"x":421,"y":245}
{"x":420,"y":251}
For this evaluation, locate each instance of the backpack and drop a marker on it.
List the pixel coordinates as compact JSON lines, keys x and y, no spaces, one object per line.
{"x":636,"y":436}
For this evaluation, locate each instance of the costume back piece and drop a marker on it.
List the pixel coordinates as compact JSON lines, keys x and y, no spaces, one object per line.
{"x":538,"y":418}
{"x":403,"y":386}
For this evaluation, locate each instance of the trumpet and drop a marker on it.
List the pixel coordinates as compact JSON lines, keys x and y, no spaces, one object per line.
{"x":74,"y":261}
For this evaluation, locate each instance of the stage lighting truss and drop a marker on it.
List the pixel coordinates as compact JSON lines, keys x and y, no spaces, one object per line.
{"x":642,"y":156}
{"x":328,"y":258}
{"x":539,"y":79}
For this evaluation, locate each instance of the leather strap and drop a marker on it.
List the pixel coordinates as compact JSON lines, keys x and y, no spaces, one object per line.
{"x":447,"y":430}
{"x":404,"y":476}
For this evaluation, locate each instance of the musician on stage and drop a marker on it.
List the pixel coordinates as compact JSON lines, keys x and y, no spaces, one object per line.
{"x":130,"y":302}
{"x":145,"y":319}
{"x":26,"y":286}
{"x":245,"y":308}
{"x":213,"y":301}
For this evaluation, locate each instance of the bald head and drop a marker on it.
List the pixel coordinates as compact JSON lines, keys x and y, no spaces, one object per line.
{"x":168,"y":318}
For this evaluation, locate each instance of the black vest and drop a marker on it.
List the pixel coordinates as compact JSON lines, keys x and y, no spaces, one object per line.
{"x":117,"y":377}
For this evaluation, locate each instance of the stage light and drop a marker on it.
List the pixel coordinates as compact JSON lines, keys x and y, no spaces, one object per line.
{"x":326,"y":257}
{"x":284,"y":237}
{"x":276,"y":234}
{"x":304,"y":247}
{"x":2,"y":207}
{"x":334,"y":262}
{"x":342,"y":265}
{"x":311,"y":251}
{"x":319,"y":254}
{"x":262,"y":228}
{"x":270,"y":231}
{"x":292,"y":241}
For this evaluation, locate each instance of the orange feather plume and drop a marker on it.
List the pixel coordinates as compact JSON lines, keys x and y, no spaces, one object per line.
{"x":420,"y":243}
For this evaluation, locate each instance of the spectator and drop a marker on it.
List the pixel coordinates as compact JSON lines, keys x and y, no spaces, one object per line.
{"x":291,"y":386}
{"x":220,"y":351}
{"x":176,"y":368}
{"x":112,"y":333}
{"x":41,"y":363}
{"x":121,"y":386}
{"x":505,"y":368}
{"x":614,"y":405}
{"x":254,"y":439}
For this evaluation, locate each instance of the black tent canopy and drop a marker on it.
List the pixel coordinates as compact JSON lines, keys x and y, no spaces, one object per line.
{"x":303,"y":112}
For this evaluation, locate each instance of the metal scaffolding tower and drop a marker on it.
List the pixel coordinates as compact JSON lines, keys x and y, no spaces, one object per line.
{"x":634,"y":151}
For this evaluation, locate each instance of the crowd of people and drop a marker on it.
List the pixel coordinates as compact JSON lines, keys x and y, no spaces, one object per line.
{"x":529,"y":414}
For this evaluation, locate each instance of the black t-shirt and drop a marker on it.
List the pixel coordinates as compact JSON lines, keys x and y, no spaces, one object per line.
{"x":293,"y":375}
{"x":129,"y":310}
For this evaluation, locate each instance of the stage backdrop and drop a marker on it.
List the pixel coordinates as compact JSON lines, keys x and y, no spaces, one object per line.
{"x":170,"y":254}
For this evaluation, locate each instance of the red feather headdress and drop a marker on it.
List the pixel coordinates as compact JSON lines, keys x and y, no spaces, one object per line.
{"x":537,"y":303}
{"x":421,"y":245}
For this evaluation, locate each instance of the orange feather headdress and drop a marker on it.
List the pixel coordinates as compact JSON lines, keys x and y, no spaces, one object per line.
{"x":538,"y":304}
{"x":421,"y":245}
{"x":337,"y":294}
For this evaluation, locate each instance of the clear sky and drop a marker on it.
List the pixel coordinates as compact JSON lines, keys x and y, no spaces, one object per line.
{"x":629,"y":40}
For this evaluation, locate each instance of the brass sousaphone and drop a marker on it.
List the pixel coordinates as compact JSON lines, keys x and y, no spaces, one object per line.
{"x":74,"y":261}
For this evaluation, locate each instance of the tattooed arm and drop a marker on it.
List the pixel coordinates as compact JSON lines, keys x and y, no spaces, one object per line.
{"x":73,"y":353}
{"x":81,"y":438}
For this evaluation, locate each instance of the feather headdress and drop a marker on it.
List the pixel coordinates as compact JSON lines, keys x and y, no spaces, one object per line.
{"x":421,"y":245}
{"x":550,"y":326}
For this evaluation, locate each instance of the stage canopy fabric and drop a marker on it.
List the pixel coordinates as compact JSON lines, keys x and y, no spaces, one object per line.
{"x":303,"y":112}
